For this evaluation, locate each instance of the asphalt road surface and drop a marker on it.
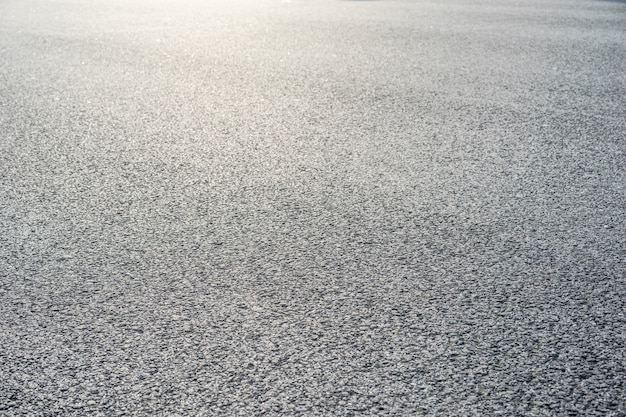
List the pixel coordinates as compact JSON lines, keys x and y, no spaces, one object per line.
{"x":312,"y":208}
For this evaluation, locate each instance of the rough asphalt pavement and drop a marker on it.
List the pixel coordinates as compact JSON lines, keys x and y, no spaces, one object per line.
{"x":312,"y":208}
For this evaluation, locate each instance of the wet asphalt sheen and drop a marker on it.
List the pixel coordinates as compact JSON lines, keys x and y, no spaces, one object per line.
{"x":312,"y":208}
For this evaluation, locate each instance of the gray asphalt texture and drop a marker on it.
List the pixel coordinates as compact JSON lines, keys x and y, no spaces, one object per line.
{"x":312,"y":208}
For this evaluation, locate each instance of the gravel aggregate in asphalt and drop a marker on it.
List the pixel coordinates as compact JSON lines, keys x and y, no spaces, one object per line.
{"x":312,"y":208}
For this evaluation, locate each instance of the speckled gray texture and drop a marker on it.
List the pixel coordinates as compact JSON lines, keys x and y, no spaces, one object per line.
{"x":312,"y":208}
